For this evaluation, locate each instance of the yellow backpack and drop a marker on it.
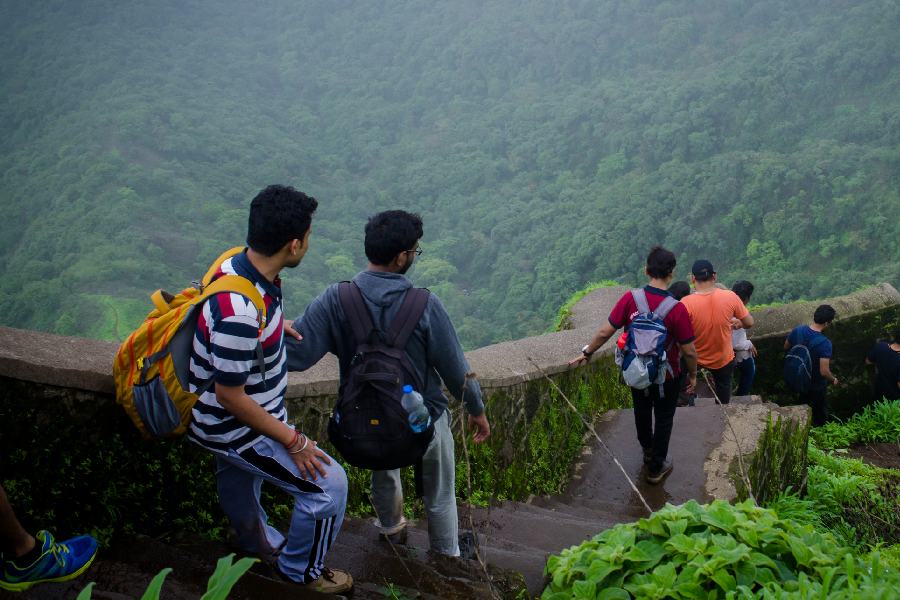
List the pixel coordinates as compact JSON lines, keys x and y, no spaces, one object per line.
{"x":152,"y":366}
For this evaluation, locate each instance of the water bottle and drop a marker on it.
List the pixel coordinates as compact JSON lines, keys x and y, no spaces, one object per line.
{"x":414,"y":405}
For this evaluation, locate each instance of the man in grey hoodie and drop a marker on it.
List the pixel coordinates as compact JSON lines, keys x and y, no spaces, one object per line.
{"x":391,"y":245}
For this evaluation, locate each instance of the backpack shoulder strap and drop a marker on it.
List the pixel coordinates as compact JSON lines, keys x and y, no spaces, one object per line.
{"x":239,"y":285}
{"x":640,"y":298}
{"x":207,"y":278}
{"x":244,"y":287}
{"x":407,"y":317}
{"x":355,"y":310}
{"x":665,"y":307}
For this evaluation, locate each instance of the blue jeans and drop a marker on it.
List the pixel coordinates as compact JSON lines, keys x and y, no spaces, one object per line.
{"x":439,"y":490}
{"x":318,"y":507}
{"x":746,"y":371}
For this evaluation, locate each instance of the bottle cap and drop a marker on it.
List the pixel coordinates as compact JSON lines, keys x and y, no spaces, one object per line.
{"x":407,"y":389}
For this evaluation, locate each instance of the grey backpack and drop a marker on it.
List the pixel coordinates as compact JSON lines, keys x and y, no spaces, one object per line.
{"x":644,"y":361}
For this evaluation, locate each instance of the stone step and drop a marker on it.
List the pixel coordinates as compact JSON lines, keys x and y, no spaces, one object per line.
{"x":590,"y":508}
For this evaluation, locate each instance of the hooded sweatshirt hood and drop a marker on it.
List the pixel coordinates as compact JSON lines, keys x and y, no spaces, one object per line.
{"x":382,"y":290}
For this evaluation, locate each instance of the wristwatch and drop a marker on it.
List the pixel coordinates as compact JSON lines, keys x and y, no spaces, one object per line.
{"x":585,"y":351}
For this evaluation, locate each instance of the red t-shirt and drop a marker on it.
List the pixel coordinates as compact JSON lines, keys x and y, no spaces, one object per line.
{"x":677,"y":322}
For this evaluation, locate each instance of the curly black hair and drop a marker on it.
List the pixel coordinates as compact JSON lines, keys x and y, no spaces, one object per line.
{"x":660,"y":262}
{"x":278,"y":215}
{"x":391,"y":232}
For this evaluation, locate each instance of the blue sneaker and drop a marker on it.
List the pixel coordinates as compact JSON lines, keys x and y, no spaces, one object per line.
{"x":59,"y":561}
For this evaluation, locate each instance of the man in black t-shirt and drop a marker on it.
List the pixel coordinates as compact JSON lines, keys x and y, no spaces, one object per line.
{"x":886,"y":358}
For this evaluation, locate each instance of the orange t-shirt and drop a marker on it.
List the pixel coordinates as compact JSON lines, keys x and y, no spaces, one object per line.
{"x":711,"y":317}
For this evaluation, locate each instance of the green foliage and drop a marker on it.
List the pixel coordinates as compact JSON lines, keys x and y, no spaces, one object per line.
{"x":225,"y":576}
{"x":857,"y":501}
{"x":878,"y":422}
{"x":565,"y":310}
{"x":545,"y":144}
{"x":218,"y":587}
{"x":779,"y":461}
{"x":391,"y":591}
{"x":715,"y":551}
{"x":155,"y":587}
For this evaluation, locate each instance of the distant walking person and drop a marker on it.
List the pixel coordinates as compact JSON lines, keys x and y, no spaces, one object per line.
{"x":886,"y":358}
{"x":238,"y":369}
{"x":646,"y":304}
{"x":820,"y":353}
{"x":679,"y":290}
{"x":714,"y":314}
{"x":744,"y":350}
{"x":433,"y":352}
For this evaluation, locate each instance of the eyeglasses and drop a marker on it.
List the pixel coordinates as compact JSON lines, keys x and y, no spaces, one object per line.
{"x":418,"y":251}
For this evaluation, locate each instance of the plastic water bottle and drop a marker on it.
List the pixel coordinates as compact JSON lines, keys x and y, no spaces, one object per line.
{"x":414,"y":405}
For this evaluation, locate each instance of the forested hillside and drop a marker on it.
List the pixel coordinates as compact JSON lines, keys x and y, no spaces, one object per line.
{"x":546,"y":144}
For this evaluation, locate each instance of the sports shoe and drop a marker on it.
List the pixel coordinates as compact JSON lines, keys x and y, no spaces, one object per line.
{"x":332,"y":581}
{"x":648,"y":455}
{"x":661,"y":474}
{"x":58,"y":561}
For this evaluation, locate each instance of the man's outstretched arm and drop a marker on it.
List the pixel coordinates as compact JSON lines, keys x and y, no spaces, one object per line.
{"x":315,"y":331}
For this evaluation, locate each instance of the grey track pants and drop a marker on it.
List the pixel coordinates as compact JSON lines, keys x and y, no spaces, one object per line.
{"x":439,"y":486}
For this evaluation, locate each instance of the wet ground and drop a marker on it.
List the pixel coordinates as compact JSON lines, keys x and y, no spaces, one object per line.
{"x":882,"y":455}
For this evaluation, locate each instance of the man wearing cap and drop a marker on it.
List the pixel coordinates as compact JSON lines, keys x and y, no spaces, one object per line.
{"x":714,"y":313}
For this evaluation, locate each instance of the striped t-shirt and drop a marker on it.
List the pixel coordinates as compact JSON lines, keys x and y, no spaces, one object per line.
{"x":225,"y":351}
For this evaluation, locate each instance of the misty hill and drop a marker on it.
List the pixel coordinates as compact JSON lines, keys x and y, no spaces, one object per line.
{"x":546,"y":144}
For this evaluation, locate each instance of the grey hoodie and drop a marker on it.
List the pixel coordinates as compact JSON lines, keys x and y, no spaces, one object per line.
{"x":433,"y":348}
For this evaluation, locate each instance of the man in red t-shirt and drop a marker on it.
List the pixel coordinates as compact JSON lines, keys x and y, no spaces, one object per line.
{"x":647,"y":402}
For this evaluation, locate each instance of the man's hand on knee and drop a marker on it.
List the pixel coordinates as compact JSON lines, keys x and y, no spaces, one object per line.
{"x":310,"y":460}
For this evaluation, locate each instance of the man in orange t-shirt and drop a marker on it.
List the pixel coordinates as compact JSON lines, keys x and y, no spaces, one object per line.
{"x":714,"y":313}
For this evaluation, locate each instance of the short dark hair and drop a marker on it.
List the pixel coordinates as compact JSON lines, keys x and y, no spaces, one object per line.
{"x":824,"y":314}
{"x":743,"y":289}
{"x":660,"y":262}
{"x":278,"y":214}
{"x":897,"y":335}
{"x":680,"y":289}
{"x":391,"y":232}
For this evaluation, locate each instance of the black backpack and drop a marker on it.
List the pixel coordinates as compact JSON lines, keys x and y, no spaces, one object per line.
{"x":369,"y":426}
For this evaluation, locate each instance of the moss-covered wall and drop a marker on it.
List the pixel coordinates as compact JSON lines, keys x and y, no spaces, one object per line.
{"x":851,"y":338}
{"x":71,"y":460}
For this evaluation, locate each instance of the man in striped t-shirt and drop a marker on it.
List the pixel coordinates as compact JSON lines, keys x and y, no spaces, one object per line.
{"x":238,"y":366}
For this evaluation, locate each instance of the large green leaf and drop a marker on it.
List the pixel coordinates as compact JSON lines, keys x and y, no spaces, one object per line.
{"x":225,"y":576}
{"x":155,"y":587}
{"x":613,"y":593}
